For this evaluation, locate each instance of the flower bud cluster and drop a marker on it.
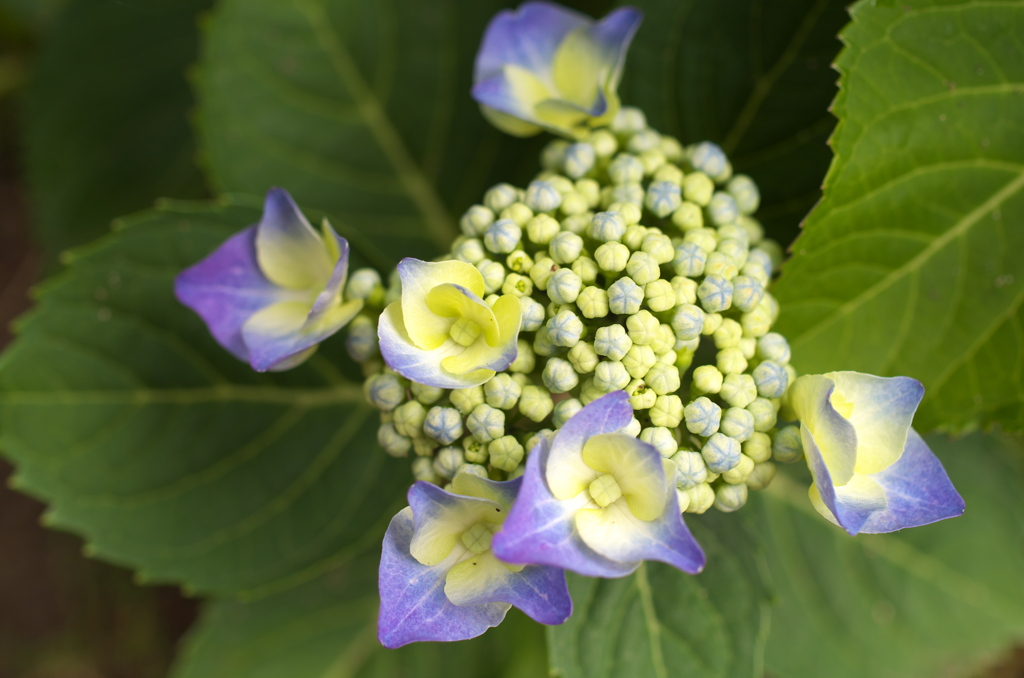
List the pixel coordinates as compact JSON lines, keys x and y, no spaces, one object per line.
{"x":639,"y":267}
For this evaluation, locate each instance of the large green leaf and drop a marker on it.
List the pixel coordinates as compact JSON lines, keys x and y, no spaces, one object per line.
{"x":910,"y":264}
{"x":939,"y":600}
{"x":106,"y":121}
{"x":660,"y":622}
{"x":361,"y":109}
{"x":751,"y":76}
{"x":328,"y":628}
{"x":166,"y":453}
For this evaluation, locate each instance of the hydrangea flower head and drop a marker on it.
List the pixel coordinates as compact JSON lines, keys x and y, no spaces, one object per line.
{"x":439,"y":579}
{"x":441,"y":333}
{"x":271,"y":293}
{"x":544,"y":66}
{"x":597,"y":501}
{"x":872,"y":472}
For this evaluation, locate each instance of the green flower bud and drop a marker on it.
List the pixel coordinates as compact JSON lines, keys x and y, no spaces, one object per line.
{"x":532,"y":314}
{"x":737,"y":423}
{"x":542,"y":196}
{"x":688,"y":321}
{"x":519,"y":262}
{"x":667,"y":411}
{"x":738,"y":390}
{"x":517,"y":285}
{"x":663,"y":198}
{"x":590,"y":190}
{"x":744,"y":191}
{"x":762,"y":475}
{"x":628,"y":121}
{"x":764,"y":414}
{"x":739,"y":234}
{"x":476,"y":220}
{"x":486,"y":423}
{"x":672,"y":358}
{"x":565,"y":247}
{"x":663,"y":379}
{"x":501,"y":196}
{"x":612,"y":341}
{"x":423,"y":469}
{"x":612,"y":257}
{"x":626,"y":169}
{"x":715,"y":294}
{"x":409,"y":419}
{"x":735,"y":249}
{"x":564,"y":410}
{"x":740,"y":472}
{"x":669,"y":172}
{"x":747,"y":293}
{"x":641,"y":396}
{"x":652,"y":159}
{"x":428,"y":395}
{"x":610,"y":375}
{"x":709,"y":158}
{"x":672,"y":149}
{"x":712,"y":321}
{"x":393,"y":442}
{"x":638,"y":360}
{"x":661,"y":439}
{"x":474,"y":451}
{"x":564,"y":286}
{"x":535,"y":403}
{"x":690,"y":260}
{"x":586,"y":269}
{"x":690,"y":469}
{"x":470,"y":250}
{"x":607,"y":227}
{"x":623,"y":193}
{"x":583,"y":357}
{"x":541,"y":229}
{"x":773,"y":346}
{"x":771,"y":379}
{"x":698,"y":188}
{"x":659,"y":246}
{"x":702,"y":417}
{"x":502,"y":236}
{"x":474,"y":469}
{"x":663,"y":341}
{"x":579,"y":159}
{"x":629,"y":211}
{"x":758,"y":447}
{"x":589,"y":392}
{"x":521,"y":379}
{"x":644,"y":140}
{"x":574,"y":204}
{"x":505,"y":453}
{"x":625,"y":296}
{"x":363,"y":283}
{"x":634,"y":237}
{"x":465,"y":399}
{"x":707,"y":379}
{"x":534,"y":439}
{"x":642,"y":268}
{"x":721,"y":265}
{"x":685,"y":289}
{"x":643,"y":327}
{"x":722,"y":209}
{"x":748,"y":347}
{"x":729,"y":498}
{"x":443,"y":424}
{"x":424,"y":447}
{"x":525,"y":360}
{"x":728,"y":334}
{"x":559,"y":376}
{"x":384,"y":391}
{"x":604,"y":142}
{"x":632,"y":429}
{"x":702,"y":497}
{"x":448,"y":461}
{"x":493,"y":274}
{"x":705,"y":238}
{"x":502,"y":391}
{"x":518,"y":213}
{"x":565,"y":329}
{"x":688,"y":217}
{"x":787,"y":446}
{"x":542,"y":345}
{"x":593,"y":302}
{"x":553,"y":155}
{"x":721,"y":453}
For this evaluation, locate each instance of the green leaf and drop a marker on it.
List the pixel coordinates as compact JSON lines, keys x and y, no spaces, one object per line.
{"x":106,"y":122}
{"x":943,"y":599}
{"x":167,"y":454}
{"x":329,"y":628}
{"x":660,"y":622}
{"x":751,"y":76}
{"x":360,"y":109}
{"x":910,"y":264}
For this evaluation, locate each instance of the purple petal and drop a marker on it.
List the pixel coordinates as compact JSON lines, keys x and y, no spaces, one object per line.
{"x":338,"y":276}
{"x":850,"y":515}
{"x":226,"y":288}
{"x":613,"y":34}
{"x":413,"y":605}
{"x":918,"y":489}
{"x":527,"y":37}
{"x":289,"y":251}
{"x":540,"y":529}
{"x":607,"y":414}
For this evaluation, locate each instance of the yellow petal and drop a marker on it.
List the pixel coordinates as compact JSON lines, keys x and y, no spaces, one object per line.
{"x":426,"y":329}
{"x":834,"y":435}
{"x":640,"y":476}
{"x":577,"y":68}
{"x":449,"y":301}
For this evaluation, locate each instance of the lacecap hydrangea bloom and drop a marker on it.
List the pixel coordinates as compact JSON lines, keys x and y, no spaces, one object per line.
{"x":543,"y":66}
{"x":439,"y":579}
{"x":441,"y":333}
{"x":271,"y":293}
{"x":872,"y":471}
